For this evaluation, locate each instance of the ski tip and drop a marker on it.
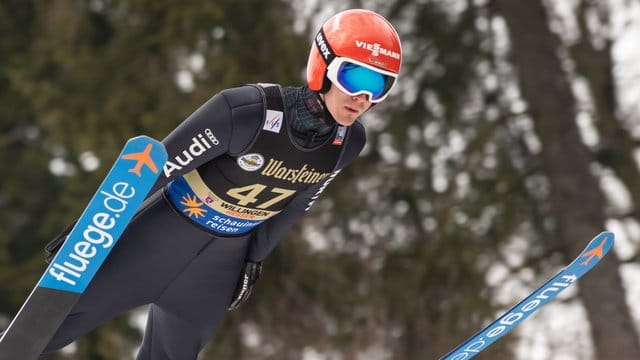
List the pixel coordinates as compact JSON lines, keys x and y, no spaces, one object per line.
{"x":143,"y":140}
{"x":597,"y":249}
{"x":608,"y":238}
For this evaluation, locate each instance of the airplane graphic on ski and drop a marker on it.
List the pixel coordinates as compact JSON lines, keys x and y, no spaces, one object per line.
{"x":595,"y":252}
{"x":142,"y":158}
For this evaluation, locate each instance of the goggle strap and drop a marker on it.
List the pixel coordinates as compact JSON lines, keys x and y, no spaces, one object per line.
{"x":324,"y":48}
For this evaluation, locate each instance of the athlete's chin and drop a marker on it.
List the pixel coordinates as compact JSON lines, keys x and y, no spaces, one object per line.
{"x":347,"y":119}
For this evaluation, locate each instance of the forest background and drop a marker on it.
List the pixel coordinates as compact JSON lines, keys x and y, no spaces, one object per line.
{"x":510,"y":141}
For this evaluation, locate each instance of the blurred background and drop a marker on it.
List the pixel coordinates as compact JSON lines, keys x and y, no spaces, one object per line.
{"x":511,"y":140}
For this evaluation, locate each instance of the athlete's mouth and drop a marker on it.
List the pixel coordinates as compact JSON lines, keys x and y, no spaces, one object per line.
{"x":350,"y":109}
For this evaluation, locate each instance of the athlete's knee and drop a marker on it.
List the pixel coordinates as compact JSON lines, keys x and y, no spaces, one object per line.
{"x":171,"y":336}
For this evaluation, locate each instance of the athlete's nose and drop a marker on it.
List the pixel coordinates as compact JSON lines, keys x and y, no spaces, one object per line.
{"x":364,"y":97}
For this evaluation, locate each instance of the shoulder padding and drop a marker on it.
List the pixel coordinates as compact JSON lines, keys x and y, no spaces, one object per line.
{"x":247,"y":112}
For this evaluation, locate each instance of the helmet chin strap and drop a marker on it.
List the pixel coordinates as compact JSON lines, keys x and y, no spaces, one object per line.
{"x":326,"y":85}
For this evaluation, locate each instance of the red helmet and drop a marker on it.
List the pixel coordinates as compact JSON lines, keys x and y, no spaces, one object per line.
{"x":357,"y":34}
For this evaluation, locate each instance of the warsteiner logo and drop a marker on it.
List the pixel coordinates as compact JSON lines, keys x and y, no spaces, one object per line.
{"x":303,"y":175}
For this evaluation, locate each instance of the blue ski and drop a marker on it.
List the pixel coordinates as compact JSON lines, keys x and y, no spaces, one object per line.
{"x":85,"y":249}
{"x":590,"y":257}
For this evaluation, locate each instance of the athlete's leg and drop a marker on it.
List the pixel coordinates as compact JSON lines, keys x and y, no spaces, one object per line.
{"x":154,"y":249}
{"x":184,"y":318}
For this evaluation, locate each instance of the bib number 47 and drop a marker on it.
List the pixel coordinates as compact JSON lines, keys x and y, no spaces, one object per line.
{"x":247,"y":195}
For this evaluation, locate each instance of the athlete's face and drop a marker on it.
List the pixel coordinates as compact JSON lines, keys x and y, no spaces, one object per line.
{"x":345,"y":108}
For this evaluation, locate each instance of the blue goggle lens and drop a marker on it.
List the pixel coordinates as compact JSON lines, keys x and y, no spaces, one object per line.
{"x":356,"y":78}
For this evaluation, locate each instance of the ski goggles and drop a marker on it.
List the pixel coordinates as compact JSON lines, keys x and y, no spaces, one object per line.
{"x":355,"y":78}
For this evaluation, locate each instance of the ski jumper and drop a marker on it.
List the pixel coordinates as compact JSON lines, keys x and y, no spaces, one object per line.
{"x":242,"y":170}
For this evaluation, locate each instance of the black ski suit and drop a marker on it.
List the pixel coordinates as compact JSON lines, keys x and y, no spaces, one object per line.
{"x":185,"y":248}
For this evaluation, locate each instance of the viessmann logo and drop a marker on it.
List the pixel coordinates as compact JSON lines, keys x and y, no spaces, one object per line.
{"x":112,"y":202}
{"x":377,"y":49}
